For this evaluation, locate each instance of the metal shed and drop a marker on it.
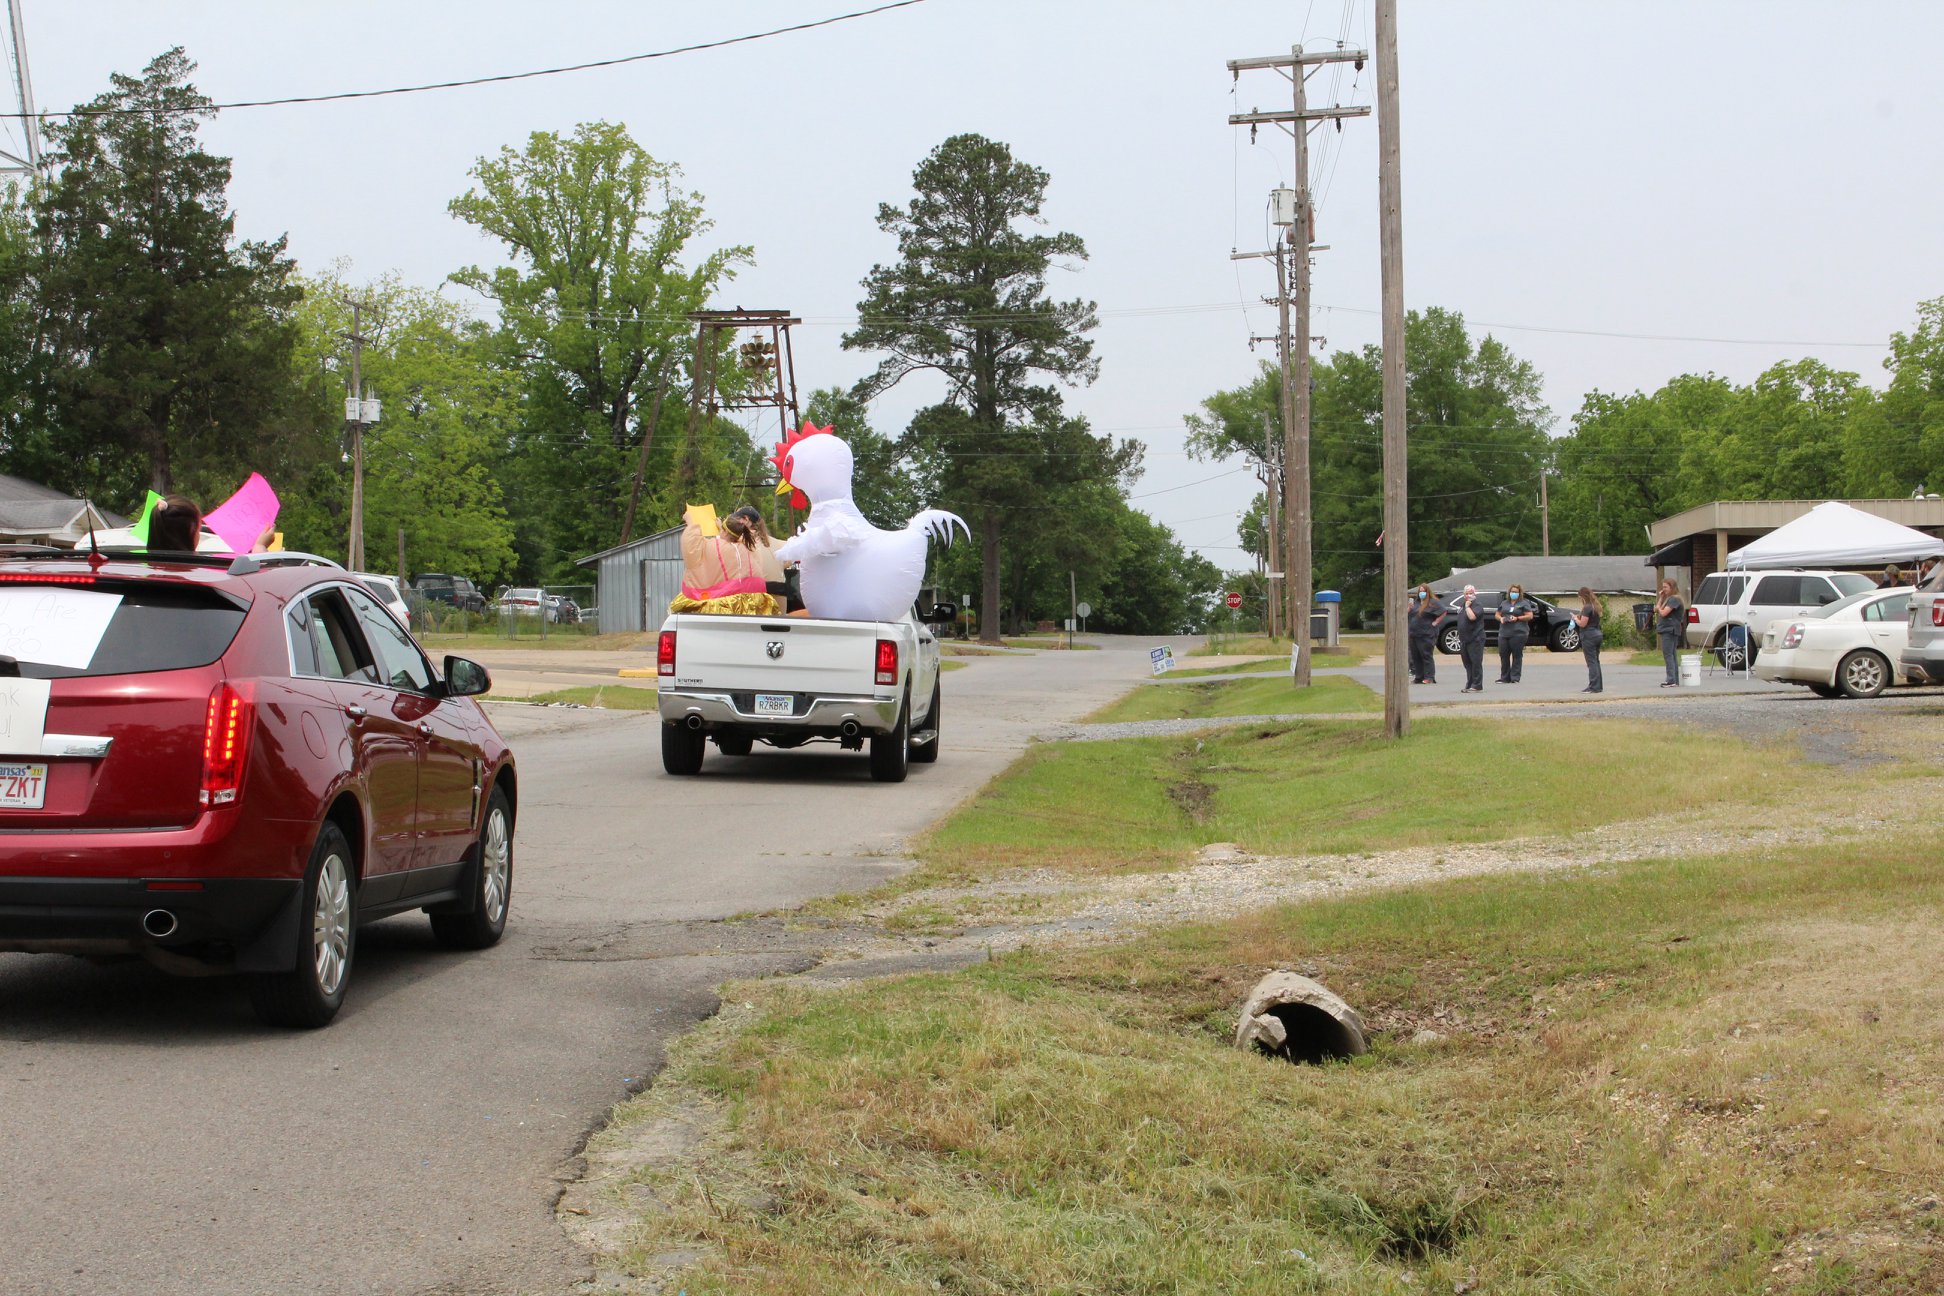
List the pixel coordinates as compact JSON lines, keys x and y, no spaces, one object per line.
{"x":635,"y":582}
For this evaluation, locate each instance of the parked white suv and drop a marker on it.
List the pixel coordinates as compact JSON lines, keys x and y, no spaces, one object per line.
{"x":1923,"y":654}
{"x":1755,"y":598}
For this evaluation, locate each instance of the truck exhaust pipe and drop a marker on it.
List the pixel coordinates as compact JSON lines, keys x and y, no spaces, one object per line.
{"x":849,"y":729}
{"x":159,"y":923}
{"x":695,"y":722}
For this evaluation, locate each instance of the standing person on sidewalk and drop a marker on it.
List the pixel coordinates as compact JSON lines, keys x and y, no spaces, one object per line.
{"x":1670,"y":619}
{"x":1426,"y":608}
{"x":1515,"y":615}
{"x":1588,"y":620}
{"x":1471,"y":639}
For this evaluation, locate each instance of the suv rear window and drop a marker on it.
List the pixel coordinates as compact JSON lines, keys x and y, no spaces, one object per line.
{"x":156,"y":628}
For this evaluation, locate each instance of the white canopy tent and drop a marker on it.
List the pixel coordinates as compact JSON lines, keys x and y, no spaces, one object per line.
{"x":1836,"y":535}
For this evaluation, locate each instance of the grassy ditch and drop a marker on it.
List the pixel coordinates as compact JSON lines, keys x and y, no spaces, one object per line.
{"x":1700,"y":1077}
{"x":612,"y":697}
{"x":1270,"y":695}
{"x":1339,"y":785}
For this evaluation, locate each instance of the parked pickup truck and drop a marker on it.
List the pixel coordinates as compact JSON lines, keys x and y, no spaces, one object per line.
{"x":787,"y":681}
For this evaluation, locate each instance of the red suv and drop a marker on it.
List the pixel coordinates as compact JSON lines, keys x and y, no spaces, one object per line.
{"x":216,"y":764}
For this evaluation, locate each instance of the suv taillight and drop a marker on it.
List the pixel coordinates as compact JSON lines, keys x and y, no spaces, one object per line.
{"x":226,"y":743}
{"x":887,"y":661}
{"x":665,"y":653}
{"x":1694,"y":616}
{"x":1937,"y":611}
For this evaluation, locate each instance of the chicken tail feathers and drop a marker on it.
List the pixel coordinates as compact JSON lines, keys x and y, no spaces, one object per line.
{"x":938,"y":524}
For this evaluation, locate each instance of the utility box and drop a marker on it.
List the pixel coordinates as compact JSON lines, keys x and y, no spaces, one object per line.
{"x":1326,"y":618}
{"x":1282,"y":207}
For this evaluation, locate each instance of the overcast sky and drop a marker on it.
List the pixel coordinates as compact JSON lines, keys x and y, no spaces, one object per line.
{"x":1767,"y":175}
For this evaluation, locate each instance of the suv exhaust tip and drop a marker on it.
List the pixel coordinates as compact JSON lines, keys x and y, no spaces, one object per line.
{"x":159,"y":923}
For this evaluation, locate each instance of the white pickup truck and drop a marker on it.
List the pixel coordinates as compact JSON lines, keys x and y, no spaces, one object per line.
{"x":788,"y":680}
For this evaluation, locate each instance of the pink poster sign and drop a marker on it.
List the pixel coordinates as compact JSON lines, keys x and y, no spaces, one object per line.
{"x":244,"y":516}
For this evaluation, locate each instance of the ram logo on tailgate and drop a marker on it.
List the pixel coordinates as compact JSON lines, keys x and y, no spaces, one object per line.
{"x":774,"y":648}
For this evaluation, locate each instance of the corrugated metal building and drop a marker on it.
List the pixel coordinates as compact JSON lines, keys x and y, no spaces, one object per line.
{"x":635,"y":582}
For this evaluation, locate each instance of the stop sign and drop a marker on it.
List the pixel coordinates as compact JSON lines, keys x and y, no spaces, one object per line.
{"x":1234,"y":598}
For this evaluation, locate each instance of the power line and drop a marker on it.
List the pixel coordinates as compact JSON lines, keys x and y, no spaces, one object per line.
{"x":491,"y":80}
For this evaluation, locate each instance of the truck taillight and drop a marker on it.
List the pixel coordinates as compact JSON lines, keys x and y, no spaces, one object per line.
{"x":887,"y":661}
{"x":665,"y":654}
{"x":1694,"y":616}
{"x":1937,"y":611}
{"x":226,"y":743}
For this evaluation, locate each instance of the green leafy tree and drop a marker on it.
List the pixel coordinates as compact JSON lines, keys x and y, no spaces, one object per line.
{"x":1477,"y":446}
{"x":593,"y":312}
{"x":431,"y":461}
{"x":168,"y":340}
{"x":1630,"y":460}
{"x":1156,"y":585}
{"x":1895,"y":444}
{"x":966,"y":300}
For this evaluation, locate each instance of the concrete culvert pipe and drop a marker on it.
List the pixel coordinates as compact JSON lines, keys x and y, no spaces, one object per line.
{"x":1293,"y":1017}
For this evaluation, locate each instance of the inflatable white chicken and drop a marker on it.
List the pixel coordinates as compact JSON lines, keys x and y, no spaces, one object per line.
{"x":851,"y":571}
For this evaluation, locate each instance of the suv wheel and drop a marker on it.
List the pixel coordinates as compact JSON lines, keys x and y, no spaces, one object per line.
{"x":492,"y":885}
{"x":1448,"y":641}
{"x":1566,"y":638}
{"x":1862,"y":674}
{"x":310,"y":994}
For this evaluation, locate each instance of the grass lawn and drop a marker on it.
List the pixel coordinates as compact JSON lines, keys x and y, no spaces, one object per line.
{"x":1692,"y":1078}
{"x":557,"y":637}
{"x":1339,"y":785}
{"x":1270,"y":695}
{"x":613,"y":697}
{"x":1253,"y":664}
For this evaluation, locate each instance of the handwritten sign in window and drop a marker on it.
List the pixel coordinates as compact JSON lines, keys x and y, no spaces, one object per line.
{"x":23,"y":715}
{"x":53,"y":626}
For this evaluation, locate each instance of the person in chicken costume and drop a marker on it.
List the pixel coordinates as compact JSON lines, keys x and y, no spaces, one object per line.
{"x":849,"y":569}
{"x":720,"y":571}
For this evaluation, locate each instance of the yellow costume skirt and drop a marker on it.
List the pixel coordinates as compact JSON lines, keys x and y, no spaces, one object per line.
{"x":730,"y":605}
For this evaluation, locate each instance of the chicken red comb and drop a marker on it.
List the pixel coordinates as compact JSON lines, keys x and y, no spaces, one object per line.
{"x":791,"y":440}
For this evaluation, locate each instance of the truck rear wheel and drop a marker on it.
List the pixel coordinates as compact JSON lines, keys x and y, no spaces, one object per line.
{"x":732,"y":742}
{"x":891,"y":752}
{"x":682,"y":749}
{"x":927,"y":752}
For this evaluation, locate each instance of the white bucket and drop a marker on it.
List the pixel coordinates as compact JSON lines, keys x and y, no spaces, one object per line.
{"x":1690,"y":670}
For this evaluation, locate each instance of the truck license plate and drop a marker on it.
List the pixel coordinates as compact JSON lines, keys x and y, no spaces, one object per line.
{"x":778,"y":704}
{"x":23,"y":787}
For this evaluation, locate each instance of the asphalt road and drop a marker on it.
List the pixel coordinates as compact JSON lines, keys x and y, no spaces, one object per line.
{"x":155,"y":1139}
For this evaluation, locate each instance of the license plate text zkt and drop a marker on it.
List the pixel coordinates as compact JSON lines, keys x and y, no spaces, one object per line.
{"x":23,"y":787}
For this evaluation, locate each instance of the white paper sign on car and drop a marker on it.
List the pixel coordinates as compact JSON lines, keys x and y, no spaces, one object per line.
{"x":52,"y":626}
{"x":23,"y":716}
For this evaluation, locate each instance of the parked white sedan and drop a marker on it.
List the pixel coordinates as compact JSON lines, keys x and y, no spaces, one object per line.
{"x":1848,"y":649}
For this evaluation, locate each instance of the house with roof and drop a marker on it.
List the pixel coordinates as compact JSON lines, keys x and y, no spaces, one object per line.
{"x":31,"y":513}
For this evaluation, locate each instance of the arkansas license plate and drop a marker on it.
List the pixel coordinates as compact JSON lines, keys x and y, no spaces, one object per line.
{"x":781,"y":704}
{"x":23,"y":787}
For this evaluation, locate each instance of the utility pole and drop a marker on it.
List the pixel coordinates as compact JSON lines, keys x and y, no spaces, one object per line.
{"x":1272,"y":491}
{"x":1397,"y":516}
{"x":354,"y":410}
{"x":1292,"y":254}
{"x":1545,"y":520}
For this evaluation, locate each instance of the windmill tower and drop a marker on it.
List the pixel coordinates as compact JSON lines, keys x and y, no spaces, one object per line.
{"x":20,"y":156}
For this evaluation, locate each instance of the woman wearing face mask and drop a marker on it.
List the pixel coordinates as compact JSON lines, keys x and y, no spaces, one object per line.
{"x":1423,"y":623}
{"x":1515,"y":627}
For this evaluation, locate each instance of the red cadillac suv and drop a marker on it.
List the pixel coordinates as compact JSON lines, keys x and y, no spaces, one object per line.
{"x":217,"y":764}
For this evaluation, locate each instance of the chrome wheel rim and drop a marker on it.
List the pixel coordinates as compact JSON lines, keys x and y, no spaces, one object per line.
{"x":1865,"y":675}
{"x":331,"y":924}
{"x":496,"y":866}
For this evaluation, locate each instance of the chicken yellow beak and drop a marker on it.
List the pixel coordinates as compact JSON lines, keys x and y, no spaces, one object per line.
{"x":783,"y":487}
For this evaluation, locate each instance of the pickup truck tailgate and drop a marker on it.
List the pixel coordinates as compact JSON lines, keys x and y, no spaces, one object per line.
{"x":795,"y":654}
